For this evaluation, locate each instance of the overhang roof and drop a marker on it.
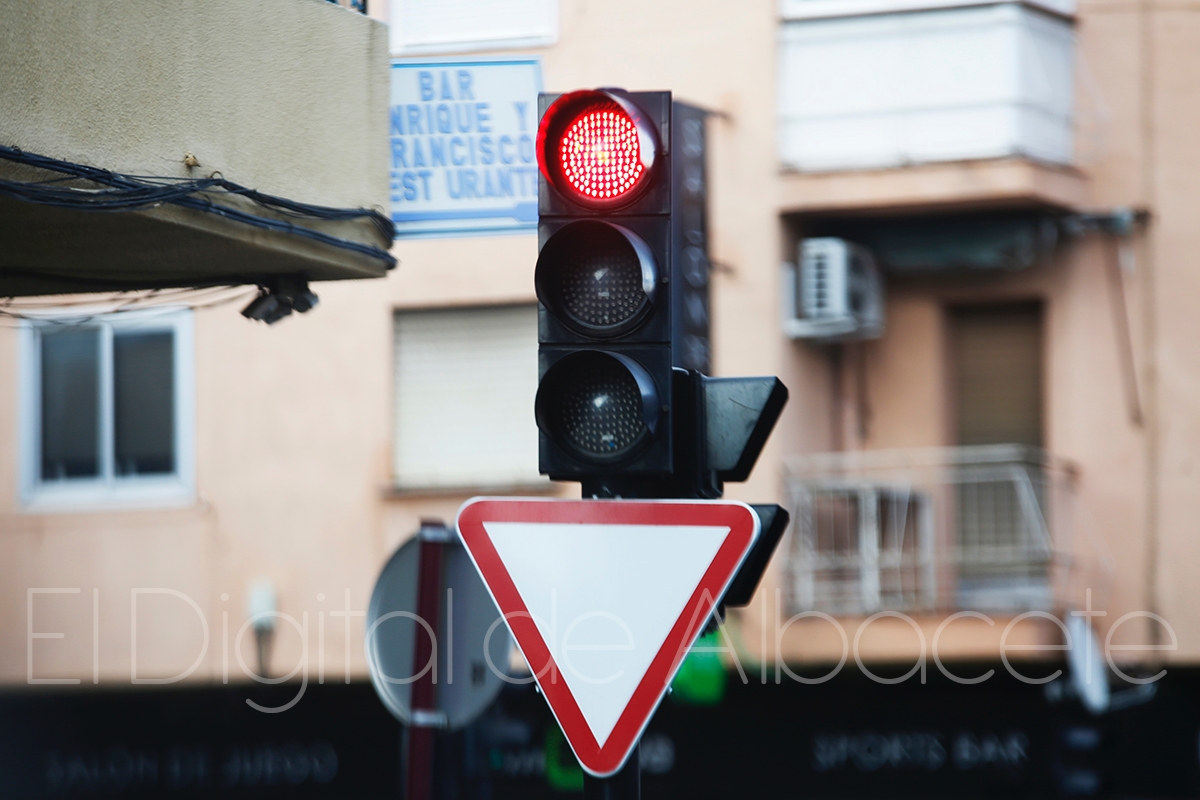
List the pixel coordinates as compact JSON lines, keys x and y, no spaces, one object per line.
{"x":954,"y":185}
{"x":68,"y":228}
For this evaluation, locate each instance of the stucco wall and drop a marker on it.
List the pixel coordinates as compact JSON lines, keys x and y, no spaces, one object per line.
{"x":294,"y":421}
{"x":285,"y":96}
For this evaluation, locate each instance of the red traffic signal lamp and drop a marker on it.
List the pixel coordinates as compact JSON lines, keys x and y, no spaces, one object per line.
{"x":600,"y":149}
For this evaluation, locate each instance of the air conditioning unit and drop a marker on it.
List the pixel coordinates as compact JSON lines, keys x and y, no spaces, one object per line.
{"x":836,"y":294}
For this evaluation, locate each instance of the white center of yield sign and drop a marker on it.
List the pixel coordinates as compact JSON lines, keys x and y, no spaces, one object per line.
{"x":604,"y":599}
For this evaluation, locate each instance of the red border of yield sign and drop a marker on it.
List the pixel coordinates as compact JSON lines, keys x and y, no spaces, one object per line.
{"x":743,"y":530}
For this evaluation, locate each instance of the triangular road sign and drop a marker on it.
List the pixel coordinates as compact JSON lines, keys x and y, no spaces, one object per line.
{"x":604,"y":598}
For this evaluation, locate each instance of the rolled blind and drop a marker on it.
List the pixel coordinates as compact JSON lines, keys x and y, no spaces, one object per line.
{"x":998,"y":366}
{"x":465,"y":385}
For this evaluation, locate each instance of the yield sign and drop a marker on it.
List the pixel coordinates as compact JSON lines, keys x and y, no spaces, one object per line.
{"x":604,"y":598}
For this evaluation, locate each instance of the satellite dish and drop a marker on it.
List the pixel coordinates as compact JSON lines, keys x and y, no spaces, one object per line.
{"x":470,"y":662}
{"x":1089,"y":678}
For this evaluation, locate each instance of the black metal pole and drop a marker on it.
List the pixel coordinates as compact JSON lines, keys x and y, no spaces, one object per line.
{"x":419,"y":740}
{"x":625,"y":785}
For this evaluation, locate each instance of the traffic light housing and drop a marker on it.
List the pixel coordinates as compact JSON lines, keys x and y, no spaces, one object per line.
{"x":603,"y":283}
{"x":622,"y":280}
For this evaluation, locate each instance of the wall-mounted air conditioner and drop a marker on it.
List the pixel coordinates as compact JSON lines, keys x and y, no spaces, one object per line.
{"x":836,"y":293}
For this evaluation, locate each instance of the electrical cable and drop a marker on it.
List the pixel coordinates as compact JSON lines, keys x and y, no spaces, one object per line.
{"x":23,"y":310}
{"x":130,"y":192}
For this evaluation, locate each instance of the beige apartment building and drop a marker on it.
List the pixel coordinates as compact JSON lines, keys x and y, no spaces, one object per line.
{"x":1020,"y":434}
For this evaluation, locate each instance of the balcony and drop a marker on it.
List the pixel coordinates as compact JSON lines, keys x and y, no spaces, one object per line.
{"x":224,"y":142}
{"x":879,"y":84}
{"x":986,"y":528}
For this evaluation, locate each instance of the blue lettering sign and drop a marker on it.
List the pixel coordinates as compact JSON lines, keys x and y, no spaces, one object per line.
{"x":462,"y":146}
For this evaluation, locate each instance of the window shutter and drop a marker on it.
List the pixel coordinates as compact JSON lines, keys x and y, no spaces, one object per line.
{"x":998,"y":367}
{"x":465,"y":385}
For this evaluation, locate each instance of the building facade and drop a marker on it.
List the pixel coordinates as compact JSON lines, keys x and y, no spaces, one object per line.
{"x":1019,"y":435}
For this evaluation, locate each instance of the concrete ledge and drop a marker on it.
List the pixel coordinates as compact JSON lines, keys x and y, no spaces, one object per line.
{"x":49,"y":250}
{"x":1004,"y":183}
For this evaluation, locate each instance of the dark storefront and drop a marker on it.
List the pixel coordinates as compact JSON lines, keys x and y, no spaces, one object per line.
{"x":848,"y":738}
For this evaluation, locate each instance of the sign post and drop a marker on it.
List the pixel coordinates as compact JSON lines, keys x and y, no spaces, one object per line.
{"x":432,"y":631}
{"x":418,"y":771}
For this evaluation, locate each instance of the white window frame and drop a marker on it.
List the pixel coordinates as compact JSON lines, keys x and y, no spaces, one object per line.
{"x":108,"y":491}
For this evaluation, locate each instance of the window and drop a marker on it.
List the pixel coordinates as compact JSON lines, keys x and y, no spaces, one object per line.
{"x":862,"y":547}
{"x":106,"y":414}
{"x":455,"y":26}
{"x":1002,"y":536}
{"x":998,"y":373}
{"x":465,"y":384}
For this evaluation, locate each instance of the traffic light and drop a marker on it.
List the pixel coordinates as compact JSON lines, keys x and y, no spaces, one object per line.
{"x":623,"y":403}
{"x":603,"y":282}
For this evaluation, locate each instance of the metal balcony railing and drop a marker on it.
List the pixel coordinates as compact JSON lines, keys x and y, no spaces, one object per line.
{"x":984,"y":528}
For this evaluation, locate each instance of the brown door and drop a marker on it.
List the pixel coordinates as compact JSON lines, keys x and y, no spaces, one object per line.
{"x":1003,"y":549}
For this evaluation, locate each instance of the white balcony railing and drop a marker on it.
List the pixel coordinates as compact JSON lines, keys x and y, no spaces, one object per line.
{"x":981,"y":528}
{"x":869,"y":84}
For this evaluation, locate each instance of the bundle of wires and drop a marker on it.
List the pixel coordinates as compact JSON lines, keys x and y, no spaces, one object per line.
{"x":83,"y":309}
{"x":124,"y":192}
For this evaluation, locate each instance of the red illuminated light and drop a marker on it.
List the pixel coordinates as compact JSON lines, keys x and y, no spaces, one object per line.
{"x":600,"y":153}
{"x":595,"y":147}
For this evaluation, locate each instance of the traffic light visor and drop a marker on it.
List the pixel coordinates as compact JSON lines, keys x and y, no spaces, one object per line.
{"x":598,"y":279}
{"x":596,"y":148}
{"x":600,"y":408}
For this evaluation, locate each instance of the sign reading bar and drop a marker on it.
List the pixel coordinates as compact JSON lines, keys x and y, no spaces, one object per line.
{"x":462,"y":136}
